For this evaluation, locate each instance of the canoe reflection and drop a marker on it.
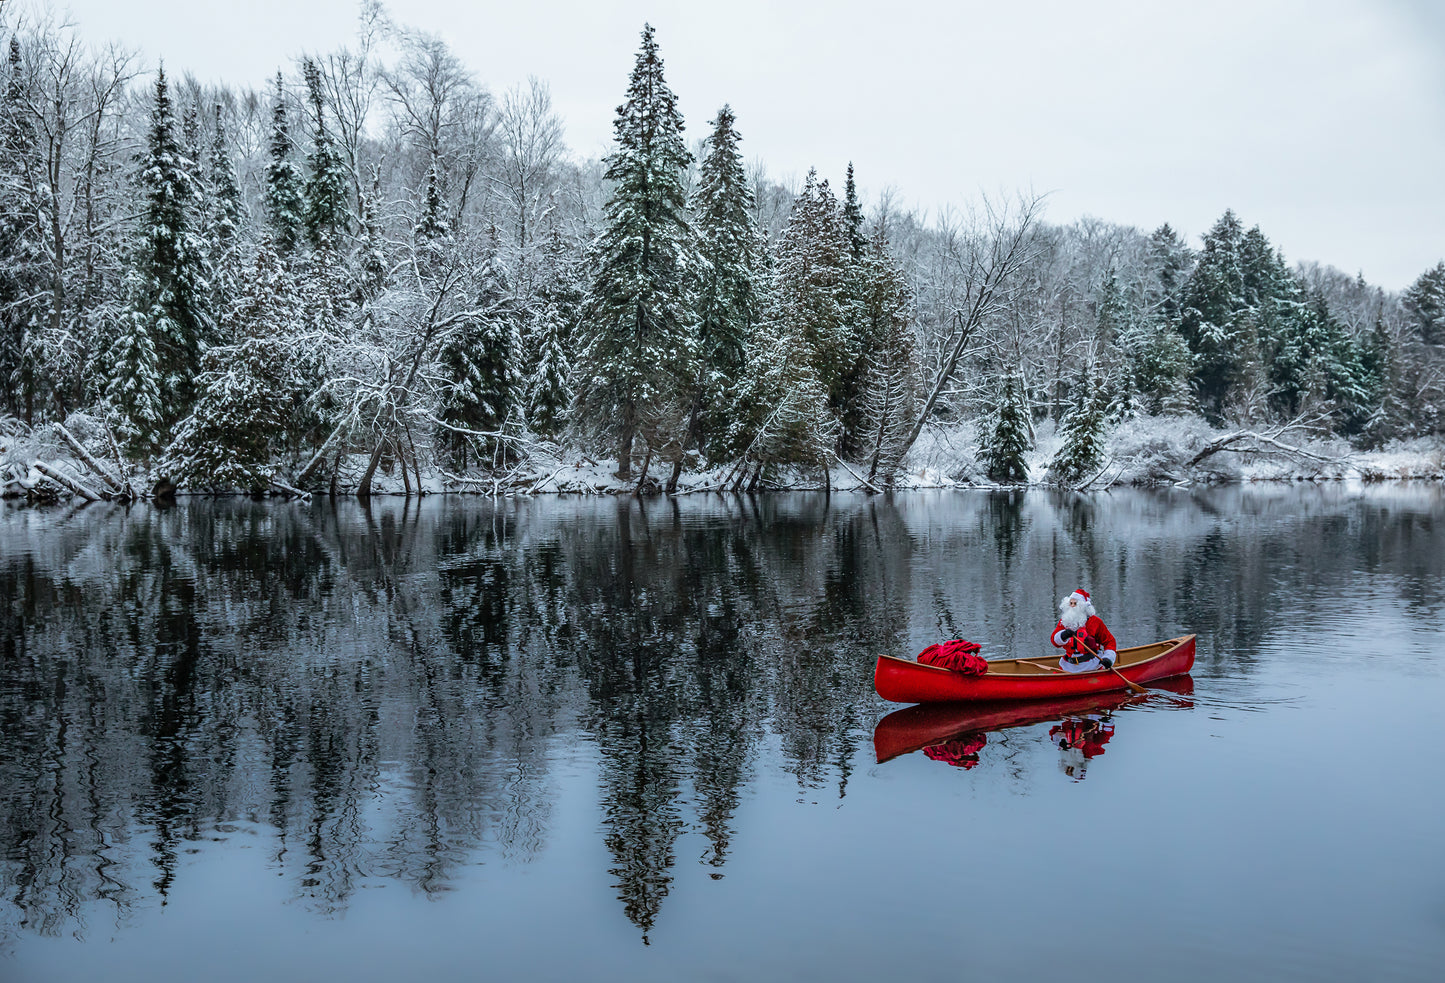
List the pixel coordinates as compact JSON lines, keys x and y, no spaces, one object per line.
{"x":956,"y":733}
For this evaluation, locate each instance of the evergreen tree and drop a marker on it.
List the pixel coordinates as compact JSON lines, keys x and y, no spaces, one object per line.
{"x":728,"y":294}
{"x":1006,"y":434}
{"x":162,"y":341}
{"x":1169,"y":261}
{"x":368,"y":260}
{"x":1425,"y":302}
{"x":808,"y":295}
{"x":783,"y":416}
{"x":1082,"y":434}
{"x":560,"y":291}
{"x":21,"y":249}
{"x":639,"y":327}
{"x":326,"y":187}
{"x":255,"y":393}
{"x":1158,"y":366}
{"x":432,"y":225}
{"x":1213,"y":319}
{"x":285,"y":203}
{"x":222,"y":219}
{"x":853,"y":217}
{"x":1111,"y":311}
{"x":479,"y":362}
{"x":547,"y":391}
{"x":888,"y":399}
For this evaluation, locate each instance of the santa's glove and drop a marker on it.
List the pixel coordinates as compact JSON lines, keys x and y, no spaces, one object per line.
{"x":1108,"y":657}
{"x":1066,"y":633}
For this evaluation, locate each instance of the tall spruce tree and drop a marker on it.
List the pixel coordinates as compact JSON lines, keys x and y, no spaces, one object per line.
{"x":809,"y":293}
{"x":1082,"y":434}
{"x":480,"y":362}
{"x":886,"y":404}
{"x":639,"y":325}
{"x":1214,"y":318}
{"x":1425,"y":302}
{"x":788,"y":407}
{"x":159,"y":349}
{"x":327,"y":182}
{"x":853,"y":217}
{"x":1006,"y":434}
{"x":255,"y":391}
{"x":222,"y":222}
{"x":1168,"y":259}
{"x":728,"y":292}
{"x":548,"y":394}
{"x":285,"y":202}
{"x":21,"y":249}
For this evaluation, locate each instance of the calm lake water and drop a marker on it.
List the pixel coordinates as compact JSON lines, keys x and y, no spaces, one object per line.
{"x":598,"y":739}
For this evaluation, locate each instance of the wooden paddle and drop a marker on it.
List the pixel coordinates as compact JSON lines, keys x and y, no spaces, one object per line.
{"x":1129,"y":682}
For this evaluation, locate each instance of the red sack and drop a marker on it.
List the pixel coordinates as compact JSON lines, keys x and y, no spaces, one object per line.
{"x":957,"y":655}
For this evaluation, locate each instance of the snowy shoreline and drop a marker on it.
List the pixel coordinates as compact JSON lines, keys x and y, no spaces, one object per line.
{"x":1144,"y":452}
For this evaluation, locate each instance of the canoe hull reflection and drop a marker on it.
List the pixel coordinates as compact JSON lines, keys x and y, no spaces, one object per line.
{"x":911,"y":728}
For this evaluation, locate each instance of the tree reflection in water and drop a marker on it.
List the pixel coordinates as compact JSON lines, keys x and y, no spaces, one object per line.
{"x":384,"y":694}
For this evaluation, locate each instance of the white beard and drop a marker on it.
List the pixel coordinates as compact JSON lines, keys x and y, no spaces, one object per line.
{"x":1074,"y":616}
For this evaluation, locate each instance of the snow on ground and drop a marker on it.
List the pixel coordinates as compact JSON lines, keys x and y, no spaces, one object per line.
{"x":1143,"y":451}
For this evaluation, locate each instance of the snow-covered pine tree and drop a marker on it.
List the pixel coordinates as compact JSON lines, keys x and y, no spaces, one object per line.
{"x":1158,"y":366}
{"x":1168,"y":260}
{"x":368,"y":260}
{"x":432,"y":223}
{"x":285,"y":203}
{"x":1214,"y":317}
{"x":729,"y":287}
{"x":483,"y":388}
{"x":786,"y":409}
{"x":809,"y":286}
{"x":853,"y":217}
{"x":161,"y":343}
{"x":559,"y":293}
{"x":225,"y":216}
{"x":255,"y":394}
{"x":1005,"y":435}
{"x":547,"y":391}
{"x":1425,"y":302}
{"x":327,"y":183}
{"x":640,"y":346}
{"x":222,"y":220}
{"x":889,"y":386}
{"x":1112,"y":313}
{"x":21,"y":249}
{"x":783,"y":416}
{"x":867,"y":276}
{"x":1082,"y":434}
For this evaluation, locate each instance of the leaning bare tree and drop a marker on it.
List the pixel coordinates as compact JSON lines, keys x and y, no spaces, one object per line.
{"x":981,"y":258}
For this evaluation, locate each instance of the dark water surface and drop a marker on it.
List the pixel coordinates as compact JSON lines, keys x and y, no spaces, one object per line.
{"x":602,"y":739}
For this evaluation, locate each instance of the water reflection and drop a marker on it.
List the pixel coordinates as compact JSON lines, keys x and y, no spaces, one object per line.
{"x":957,"y":733}
{"x":384,"y":695}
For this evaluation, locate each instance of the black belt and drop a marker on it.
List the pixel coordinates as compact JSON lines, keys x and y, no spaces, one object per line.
{"x":1074,"y":660}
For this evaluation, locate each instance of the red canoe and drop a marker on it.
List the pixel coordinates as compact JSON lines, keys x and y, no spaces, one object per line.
{"x":906,"y":681}
{"x":906,"y":730}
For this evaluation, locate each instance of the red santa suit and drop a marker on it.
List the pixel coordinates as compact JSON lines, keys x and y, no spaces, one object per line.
{"x":1081,"y":633}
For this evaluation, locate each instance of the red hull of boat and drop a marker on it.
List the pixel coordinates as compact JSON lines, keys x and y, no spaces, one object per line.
{"x":906,"y":681}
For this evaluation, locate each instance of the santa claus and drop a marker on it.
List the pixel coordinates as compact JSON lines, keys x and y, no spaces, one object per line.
{"x":1082,"y":634}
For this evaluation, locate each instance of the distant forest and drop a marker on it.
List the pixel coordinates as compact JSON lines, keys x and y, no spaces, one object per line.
{"x":374,"y":261}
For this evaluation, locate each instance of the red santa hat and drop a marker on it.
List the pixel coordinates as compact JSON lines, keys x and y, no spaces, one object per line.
{"x":1081,"y":595}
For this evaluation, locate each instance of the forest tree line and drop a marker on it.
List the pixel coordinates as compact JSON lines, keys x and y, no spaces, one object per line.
{"x":374,"y":261}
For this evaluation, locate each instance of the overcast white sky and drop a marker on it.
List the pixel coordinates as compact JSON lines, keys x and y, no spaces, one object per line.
{"x":1322,"y":121}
